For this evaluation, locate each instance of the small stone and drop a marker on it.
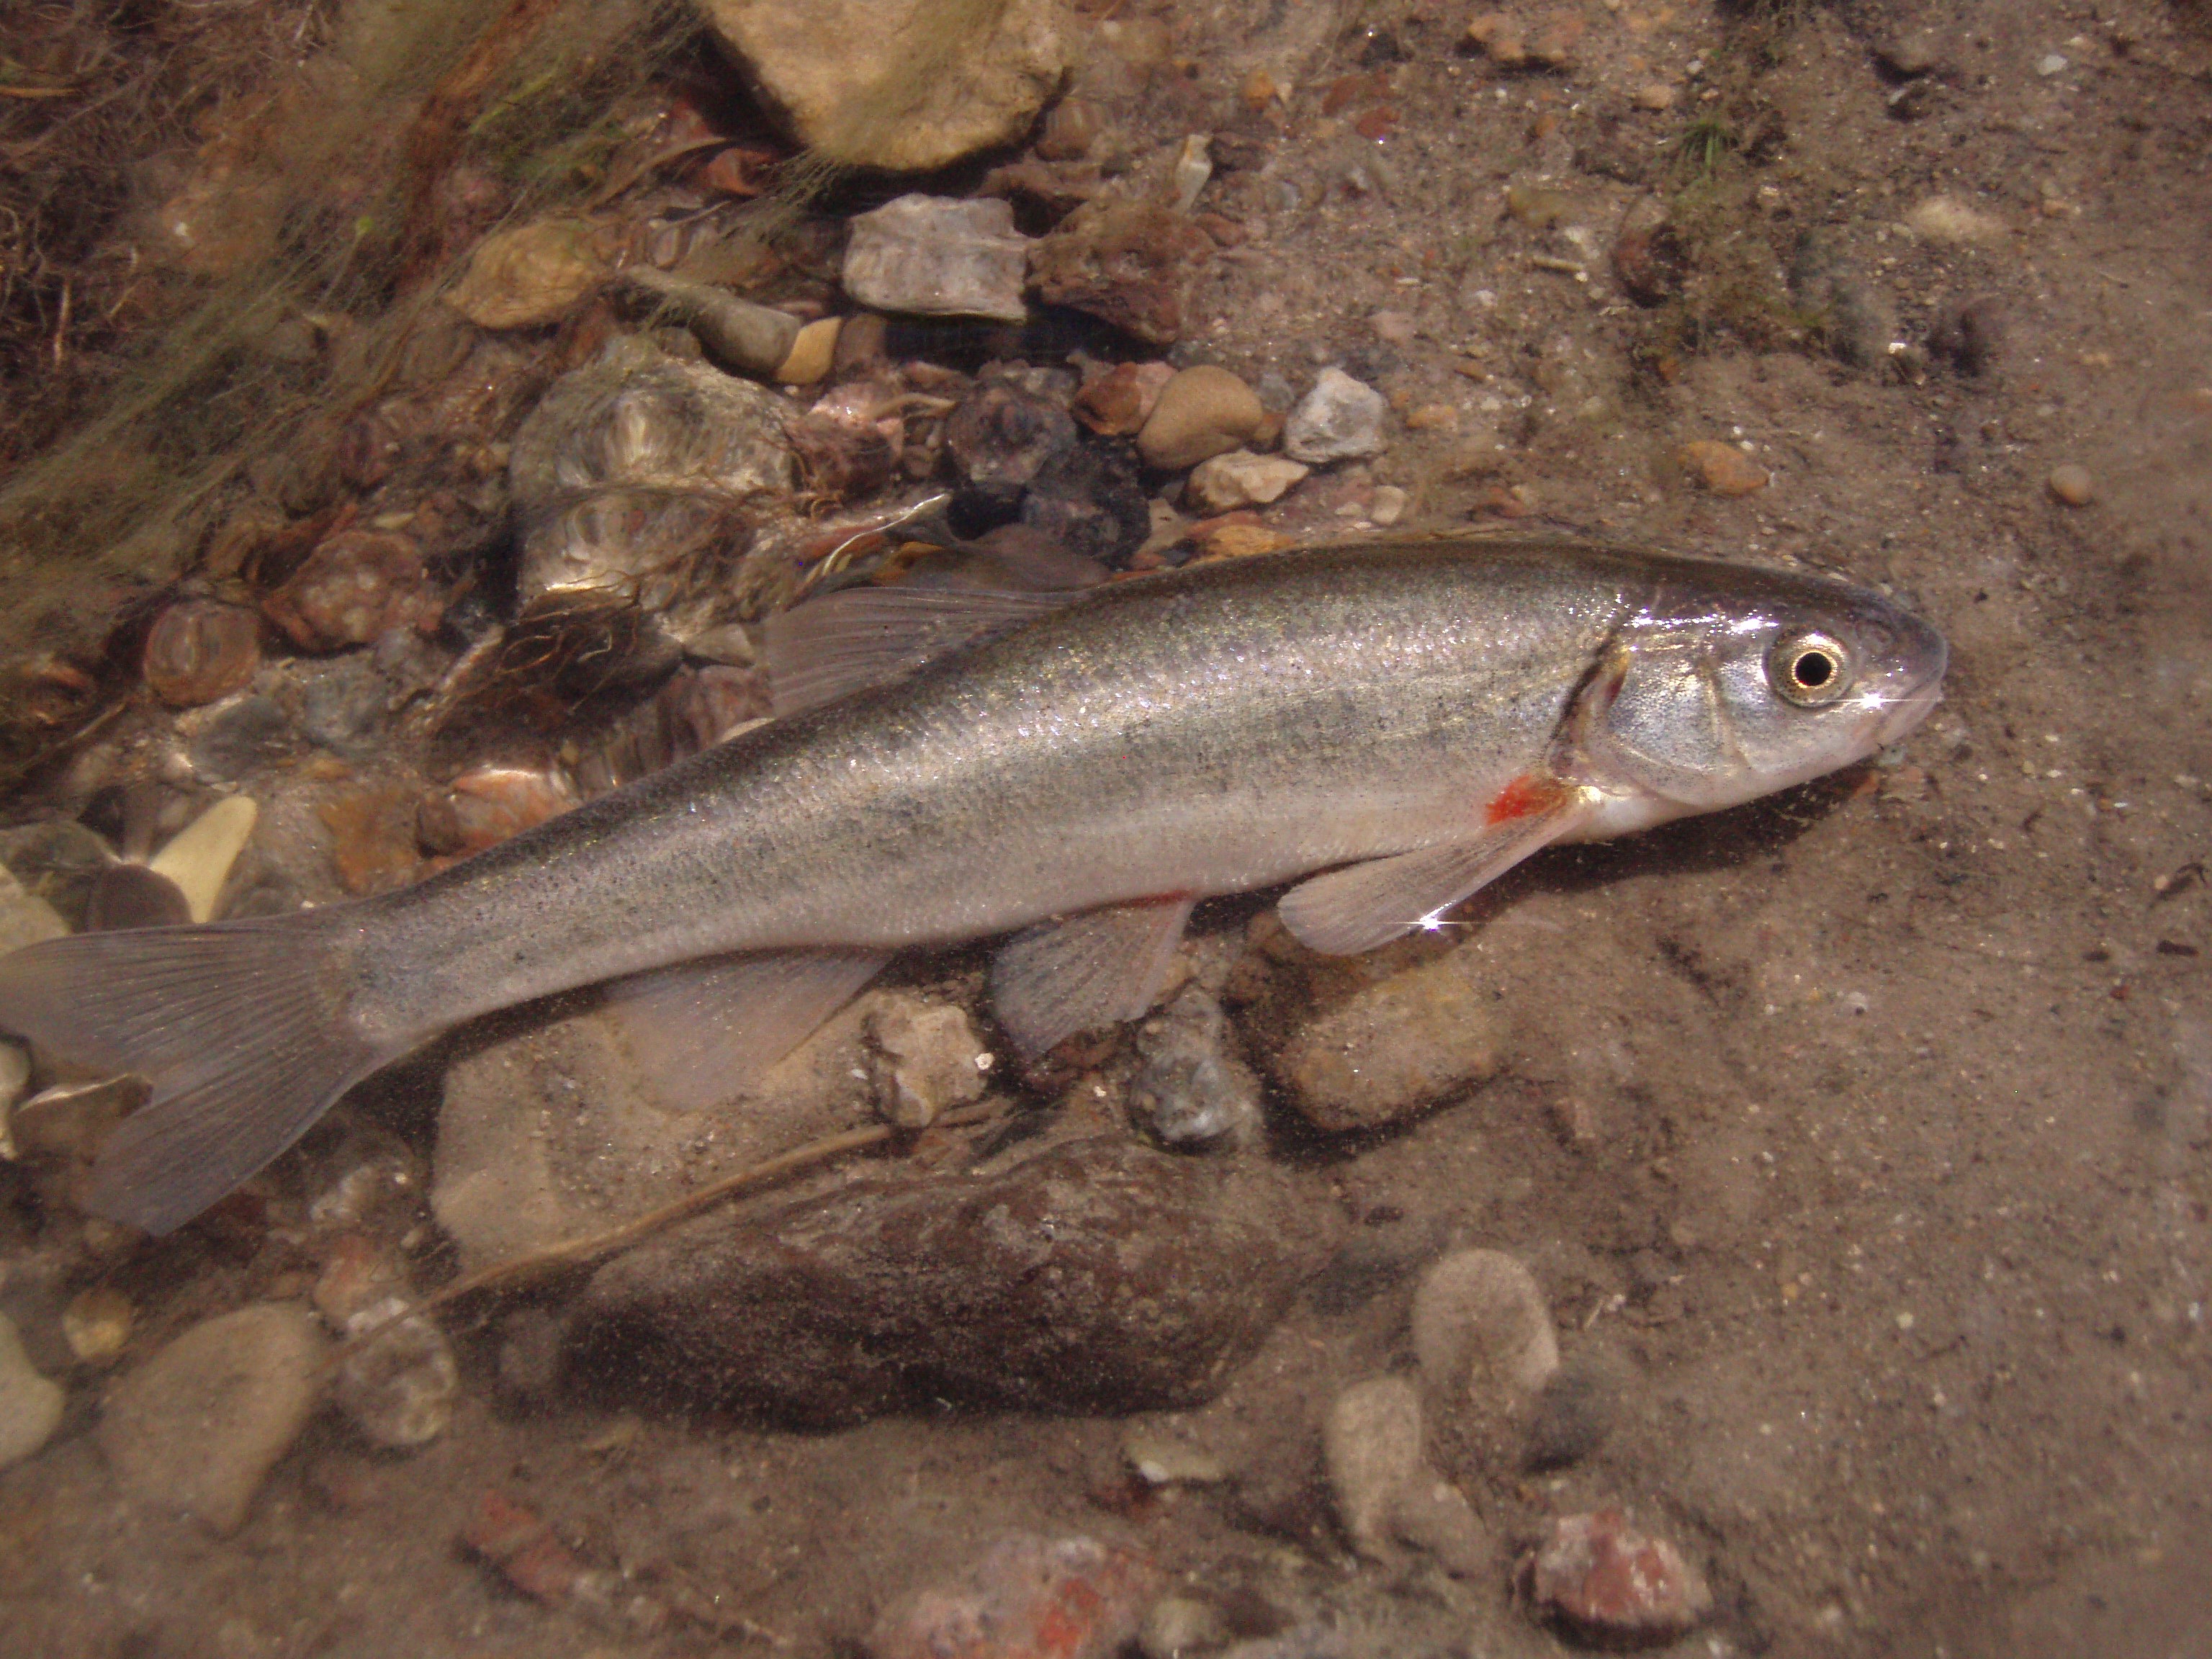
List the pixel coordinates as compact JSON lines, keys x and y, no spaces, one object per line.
{"x":1648,"y":256}
{"x":513,"y":1539}
{"x":96,"y":1324}
{"x":236,"y":737}
{"x":1553,"y":41}
{"x":1240,"y":478}
{"x":1396,"y":328}
{"x":529,"y":275}
{"x":1179,"y":1626}
{"x":1201,"y":412}
{"x":1232,"y":540}
{"x":354,"y":586}
{"x":1339,"y":420}
{"x":1095,"y":1276}
{"x":1721,"y":468}
{"x":1950,"y":222}
{"x":1538,"y":208}
{"x":1389,"y":505}
{"x":397,"y":1384}
{"x":486,"y":805}
{"x":1611,"y":1584}
{"x":924,"y":1059}
{"x":1391,"y":1049}
{"x":1128,"y":262}
{"x":1574,"y":1413}
{"x":30,"y":1405}
{"x":742,"y":336}
{"x":198,"y":859}
{"x":200,"y":651}
{"x":1163,"y":1459}
{"x":2071,"y":485}
{"x":25,"y":918}
{"x":199,"y":1426}
{"x":937,"y":256}
{"x":359,"y":1274}
{"x":1026,"y":1598}
{"x":1371,"y":1449}
{"x":1002,"y":434}
{"x":897,"y":85}
{"x":1500,"y":37}
{"x":1188,"y":1088}
{"x":1116,"y":404}
{"x":1070,"y":129}
{"x":2050,"y":63}
{"x":1654,"y":95}
{"x":813,"y":350}
{"x":1089,"y":502}
{"x":1913,"y":52}
{"x":1480,"y":1320}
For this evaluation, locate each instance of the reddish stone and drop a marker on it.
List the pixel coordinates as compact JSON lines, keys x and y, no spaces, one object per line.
{"x":1127,"y":263}
{"x":355,"y":586}
{"x":523,"y":1547}
{"x":1027,"y":1598}
{"x":200,"y":651}
{"x":1116,"y":403}
{"x":1611,"y":1583}
{"x":371,"y":839}
{"x":485,"y":805}
{"x":1376,"y":124}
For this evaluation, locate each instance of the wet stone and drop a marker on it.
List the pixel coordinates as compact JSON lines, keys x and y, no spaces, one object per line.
{"x":1088,"y":502}
{"x":1117,"y":403}
{"x":924,"y":1059}
{"x":1721,"y":468}
{"x":1608,"y":1583}
{"x":199,"y":1426}
{"x":1127,"y":263}
{"x":30,"y":1405}
{"x":1391,"y":1049}
{"x":355,"y":586}
{"x":937,"y":256}
{"x":1200,"y":412}
{"x":25,"y":918}
{"x":1480,"y":1319}
{"x":1339,"y":420}
{"x":397,"y":1385}
{"x":2071,"y":485}
{"x":1189,"y":1089}
{"x":1094,"y":1276}
{"x":1002,"y":436}
{"x":237,"y":738}
{"x":529,"y":275}
{"x":201,"y":651}
{"x":1240,"y":478}
{"x":1026,"y":1597}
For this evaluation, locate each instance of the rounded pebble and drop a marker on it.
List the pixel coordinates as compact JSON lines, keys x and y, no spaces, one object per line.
{"x":1240,"y":478}
{"x":30,"y":1405}
{"x":529,"y":275}
{"x":1611,"y":1584}
{"x":1574,"y":1413}
{"x":2071,"y":485}
{"x":924,"y":1060}
{"x":398,"y":1384}
{"x":200,"y":651}
{"x":1722,"y":468}
{"x":1371,"y":1448}
{"x":1480,"y":1316}
{"x":97,"y":1324}
{"x":1391,"y":1049}
{"x":812,"y":351}
{"x":1200,"y":412}
{"x":198,"y":1426}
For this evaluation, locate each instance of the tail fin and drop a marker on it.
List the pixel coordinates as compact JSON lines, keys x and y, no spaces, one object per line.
{"x":240,"y":1028}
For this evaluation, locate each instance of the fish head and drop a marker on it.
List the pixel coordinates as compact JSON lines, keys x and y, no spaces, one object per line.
{"x":1731,"y":684}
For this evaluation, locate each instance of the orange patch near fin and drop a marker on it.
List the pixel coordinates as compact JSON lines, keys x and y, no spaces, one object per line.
{"x":1527,"y":795}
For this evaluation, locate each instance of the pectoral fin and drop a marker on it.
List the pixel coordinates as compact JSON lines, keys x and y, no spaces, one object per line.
{"x":705,"y":1031}
{"x":819,"y":651}
{"x":1084,"y":971}
{"x":1364,"y":905}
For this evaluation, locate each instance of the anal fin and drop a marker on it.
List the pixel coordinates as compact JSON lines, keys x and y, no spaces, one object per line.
{"x":1364,"y":905}
{"x":705,"y":1031}
{"x":1084,"y":971}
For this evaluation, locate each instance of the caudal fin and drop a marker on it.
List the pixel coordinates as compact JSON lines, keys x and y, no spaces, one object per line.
{"x":239,"y":1028}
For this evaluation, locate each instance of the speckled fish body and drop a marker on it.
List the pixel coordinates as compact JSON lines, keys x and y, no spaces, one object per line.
{"x":1412,"y":717}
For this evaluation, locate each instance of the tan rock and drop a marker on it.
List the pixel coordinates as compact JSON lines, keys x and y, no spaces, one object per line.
{"x":1721,"y":468}
{"x":1202,"y":412}
{"x":903,"y":85}
{"x":2072,"y":485}
{"x":1950,"y":222}
{"x":529,"y":275}
{"x":1240,"y":478}
{"x":1391,"y":1049}
{"x":811,"y":353}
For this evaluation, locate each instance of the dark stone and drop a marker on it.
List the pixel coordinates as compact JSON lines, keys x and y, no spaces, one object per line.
{"x":239,"y":736}
{"x":1002,"y":434}
{"x":1130,"y":262}
{"x":1090,"y":501}
{"x":1094,"y":1276}
{"x":1575,"y":1413}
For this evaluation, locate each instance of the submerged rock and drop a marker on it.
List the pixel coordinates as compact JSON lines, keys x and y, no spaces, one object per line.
{"x":1201,"y":413}
{"x":939,"y":256}
{"x":1339,"y":420}
{"x":896,"y":84}
{"x":1026,"y":1598}
{"x":1094,"y":1276}
{"x":199,"y":1426}
{"x":1128,"y":263}
{"x":1189,"y":1088}
{"x":30,"y":1405}
{"x":1391,"y":1049}
{"x":1608,"y":1583}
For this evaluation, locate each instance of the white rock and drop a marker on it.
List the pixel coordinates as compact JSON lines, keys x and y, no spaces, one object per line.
{"x":30,"y":1405}
{"x":199,"y":1426}
{"x":937,"y":256}
{"x":903,"y":85}
{"x":1240,"y":478}
{"x":1950,"y":222}
{"x":1339,"y":420}
{"x":1480,"y":1318}
{"x":1371,"y":1448}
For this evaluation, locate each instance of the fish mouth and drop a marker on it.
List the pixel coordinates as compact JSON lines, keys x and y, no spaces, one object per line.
{"x":1916,"y":677}
{"x":1901,"y":715}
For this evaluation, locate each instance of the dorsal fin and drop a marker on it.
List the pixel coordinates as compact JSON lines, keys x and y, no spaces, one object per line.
{"x":860,"y":636}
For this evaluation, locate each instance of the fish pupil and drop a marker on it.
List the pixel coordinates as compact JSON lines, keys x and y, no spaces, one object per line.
{"x":1814,"y":668}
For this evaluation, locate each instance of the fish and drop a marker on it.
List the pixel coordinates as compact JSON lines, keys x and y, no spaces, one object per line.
{"x":1385,"y":727}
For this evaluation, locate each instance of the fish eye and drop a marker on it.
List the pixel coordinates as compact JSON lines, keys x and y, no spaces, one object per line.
{"x":1808,"y":669}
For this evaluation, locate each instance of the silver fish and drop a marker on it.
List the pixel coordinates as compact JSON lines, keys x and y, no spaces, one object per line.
{"x":1389,"y":726}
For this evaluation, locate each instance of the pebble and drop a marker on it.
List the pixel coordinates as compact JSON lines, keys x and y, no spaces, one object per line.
{"x":354,"y":586}
{"x":1189,"y":1089}
{"x":1026,"y":1597}
{"x":742,"y":336}
{"x":1371,"y":1449}
{"x":529,"y":275}
{"x":1178,"y":1626}
{"x":2050,"y":63}
{"x":1721,"y":468}
{"x":1480,"y":1320}
{"x":398,"y":1384}
{"x":1240,"y":478}
{"x":1501,"y":37}
{"x":1164,"y":1460}
{"x":1389,"y":505}
{"x":1128,"y":262}
{"x":1117,"y":403}
{"x":198,"y":859}
{"x":1950,"y":222}
{"x":1003,"y":434}
{"x":514,"y":1538}
{"x":2071,"y":484}
{"x":1911,"y":53}
{"x":201,"y":651}
{"x":1200,"y":412}
{"x":30,"y":1405}
{"x":939,"y":256}
{"x":813,"y":350}
{"x":1339,"y":420}
{"x":1391,"y":1049}
{"x":1648,"y":256}
{"x":925,"y":1059}
{"x":1610,"y":1585}
{"x":1654,"y":95}
{"x":1090,"y":502}
{"x":486,"y":805}
{"x":25,"y":918}
{"x":198,"y":1426}
{"x":964,"y":80}
{"x":1093,"y":1276}
{"x":96,"y":1324}
{"x":1574,"y":1414}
